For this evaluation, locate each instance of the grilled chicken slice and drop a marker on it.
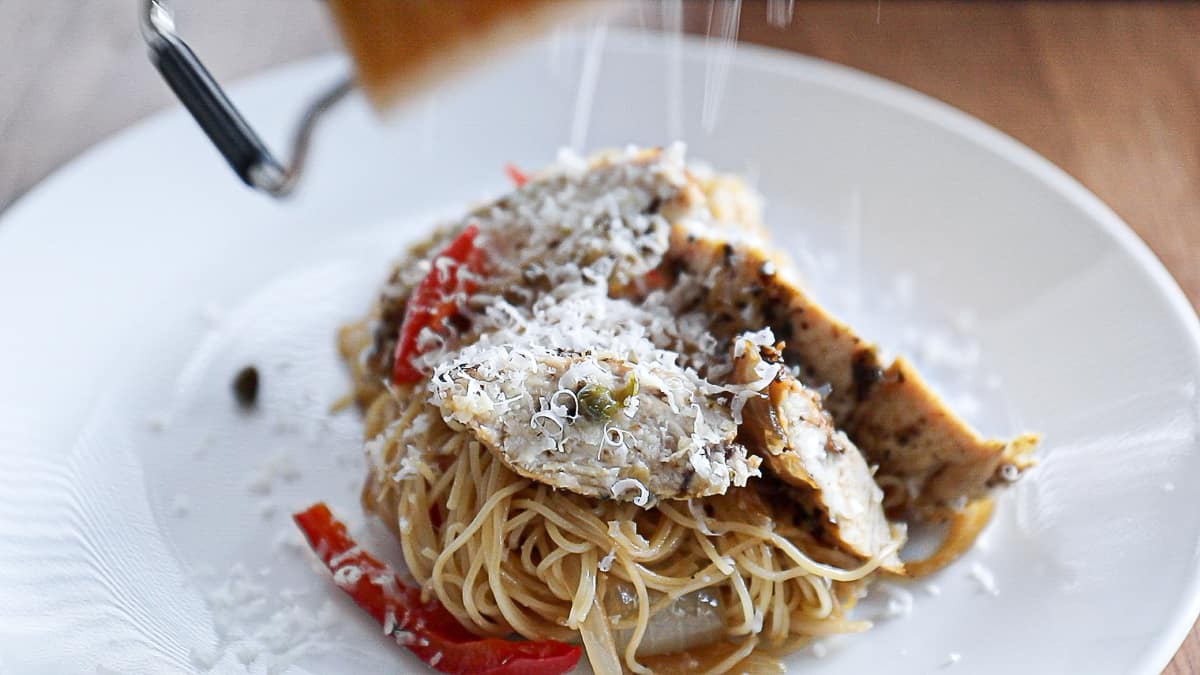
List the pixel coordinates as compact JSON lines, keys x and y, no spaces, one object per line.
{"x":743,"y":288}
{"x":889,"y":412}
{"x":598,"y":222}
{"x":917,"y":438}
{"x":594,"y":422}
{"x":793,"y":434}
{"x":607,"y":220}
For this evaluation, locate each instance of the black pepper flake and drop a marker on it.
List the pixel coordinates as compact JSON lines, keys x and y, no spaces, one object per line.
{"x":691,"y":304}
{"x":458,"y":322}
{"x":653,"y":206}
{"x":688,"y":475}
{"x":245,"y":387}
{"x":784,"y":331}
{"x":908,"y":434}
{"x":865,"y":370}
{"x":676,"y":267}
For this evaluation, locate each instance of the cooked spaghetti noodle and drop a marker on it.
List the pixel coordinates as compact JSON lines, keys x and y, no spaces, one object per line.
{"x":748,"y":569}
{"x":508,"y":555}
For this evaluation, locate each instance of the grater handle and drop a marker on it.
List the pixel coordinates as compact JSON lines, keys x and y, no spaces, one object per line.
{"x":220,"y":120}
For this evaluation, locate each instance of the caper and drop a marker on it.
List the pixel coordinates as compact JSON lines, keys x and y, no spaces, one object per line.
{"x":630,"y":389}
{"x":600,"y":403}
{"x":245,"y":387}
{"x":596,"y":402}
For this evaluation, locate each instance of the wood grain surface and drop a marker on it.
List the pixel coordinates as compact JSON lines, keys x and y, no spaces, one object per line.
{"x":1108,"y":91}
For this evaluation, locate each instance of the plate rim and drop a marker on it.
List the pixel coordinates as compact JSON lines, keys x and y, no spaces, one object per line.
{"x":1158,"y":652}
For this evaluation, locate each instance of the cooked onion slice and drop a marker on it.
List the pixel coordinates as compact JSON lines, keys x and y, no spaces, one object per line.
{"x":691,"y":620}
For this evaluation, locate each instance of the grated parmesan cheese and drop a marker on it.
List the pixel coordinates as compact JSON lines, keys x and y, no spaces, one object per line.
{"x":342,"y":557}
{"x":280,"y":465}
{"x":899,"y":601}
{"x":259,"y":485}
{"x":556,"y":248}
{"x":750,"y":340}
{"x":625,"y":484}
{"x":246,"y":654}
{"x":984,"y":578}
{"x":289,"y":538}
{"x":204,"y":656}
{"x":347,"y":576}
{"x":535,"y":369}
{"x":757,"y":621}
{"x":261,"y":626}
{"x":409,"y":463}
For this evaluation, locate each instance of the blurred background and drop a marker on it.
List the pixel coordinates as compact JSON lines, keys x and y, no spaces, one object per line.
{"x":1108,"y":91}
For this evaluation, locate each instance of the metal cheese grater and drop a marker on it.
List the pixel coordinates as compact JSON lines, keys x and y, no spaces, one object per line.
{"x":219,"y":118}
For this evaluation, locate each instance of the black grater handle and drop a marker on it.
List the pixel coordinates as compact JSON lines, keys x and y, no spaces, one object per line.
{"x":214,"y":112}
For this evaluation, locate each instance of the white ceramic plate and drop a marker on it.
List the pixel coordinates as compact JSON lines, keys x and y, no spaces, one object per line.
{"x":143,"y":518}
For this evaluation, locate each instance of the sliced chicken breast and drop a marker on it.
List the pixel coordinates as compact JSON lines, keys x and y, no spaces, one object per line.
{"x":595,"y":421}
{"x":600,"y":222}
{"x":916,"y":437}
{"x":793,"y":434}
{"x":889,"y":412}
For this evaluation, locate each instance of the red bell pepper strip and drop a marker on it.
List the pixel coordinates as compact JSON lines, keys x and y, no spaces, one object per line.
{"x":517,"y":176}
{"x":428,"y":629}
{"x":434,"y":300}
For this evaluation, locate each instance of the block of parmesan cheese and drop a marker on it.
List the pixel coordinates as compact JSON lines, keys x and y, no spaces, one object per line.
{"x":401,"y":46}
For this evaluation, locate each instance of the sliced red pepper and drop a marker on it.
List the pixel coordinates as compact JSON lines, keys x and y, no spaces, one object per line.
{"x":428,"y":629}
{"x":517,"y":176}
{"x":434,"y":300}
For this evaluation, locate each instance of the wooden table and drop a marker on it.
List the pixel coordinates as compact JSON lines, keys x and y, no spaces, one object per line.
{"x":1109,"y":92}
